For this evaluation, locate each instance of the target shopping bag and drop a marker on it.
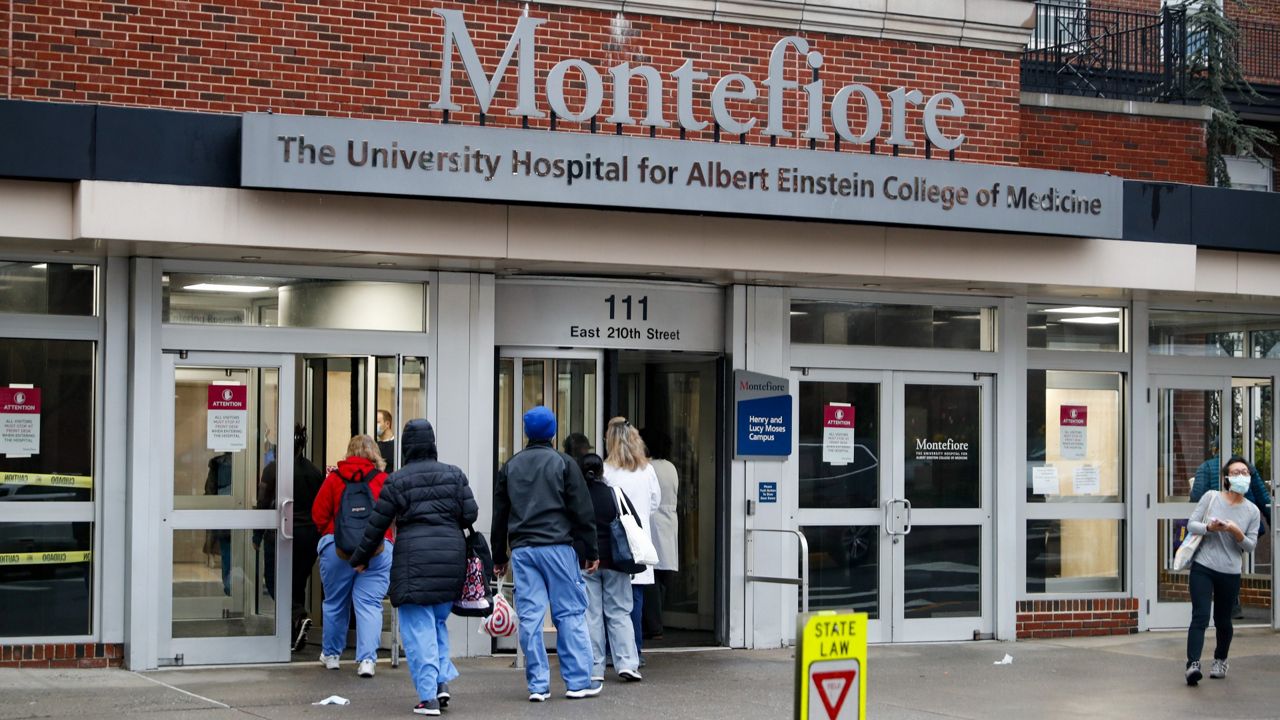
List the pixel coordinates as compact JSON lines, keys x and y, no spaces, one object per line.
{"x":502,"y":622}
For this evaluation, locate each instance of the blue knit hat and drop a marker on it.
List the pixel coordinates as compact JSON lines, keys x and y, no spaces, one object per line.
{"x":540,"y":423}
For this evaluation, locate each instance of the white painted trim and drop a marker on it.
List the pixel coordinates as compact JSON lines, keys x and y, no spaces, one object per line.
{"x":1118,"y":107}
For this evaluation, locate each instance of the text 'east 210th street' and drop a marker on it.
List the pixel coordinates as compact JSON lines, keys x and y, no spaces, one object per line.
{"x":710,"y":174}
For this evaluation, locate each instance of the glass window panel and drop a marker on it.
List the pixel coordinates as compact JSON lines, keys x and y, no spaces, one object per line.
{"x":1075,"y":556}
{"x":844,"y":568}
{"x":943,"y":463}
{"x":942,"y":573}
{"x":1068,"y":461}
{"x":506,"y":409}
{"x":201,"y":299}
{"x":1074,"y":327}
{"x":46,"y":578}
{"x":48,"y":288}
{"x":63,"y":372}
{"x":1171,"y":584}
{"x":1213,"y":334}
{"x":1187,"y":438}
{"x":838,"y":483}
{"x":918,"y":326}
{"x":413,"y":400}
{"x":576,"y":400}
{"x":218,"y":478}
{"x":219,"y":584}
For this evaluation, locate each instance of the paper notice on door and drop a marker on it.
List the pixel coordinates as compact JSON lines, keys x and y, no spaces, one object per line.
{"x":837,"y":434}
{"x":19,"y":421}
{"x":1085,"y":480}
{"x":228,"y":422}
{"x":1044,"y":480}
{"x":1073,"y":431}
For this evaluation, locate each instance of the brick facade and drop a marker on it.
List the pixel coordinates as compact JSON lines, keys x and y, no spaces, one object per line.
{"x":1077,"y":618}
{"x":1129,"y":146}
{"x":68,"y":655}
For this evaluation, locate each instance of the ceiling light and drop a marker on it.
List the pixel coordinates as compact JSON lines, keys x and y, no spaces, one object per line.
{"x":386,"y":264}
{"x":1081,"y":310}
{"x":40,"y":266}
{"x":976,"y":289}
{"x":63,"y":252}
{"x":250,"y":257}
{"x":1093,"y":320}
{"x":794,"y":313}
{"x":215,"y":287}
{"x":1037,"y":327}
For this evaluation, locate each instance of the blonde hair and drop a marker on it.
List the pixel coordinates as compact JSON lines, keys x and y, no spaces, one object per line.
{"x":626,"y":449}
{"x":364,"y":446}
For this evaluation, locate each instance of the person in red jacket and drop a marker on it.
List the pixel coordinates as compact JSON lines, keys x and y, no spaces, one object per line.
{"x":343,"y":586}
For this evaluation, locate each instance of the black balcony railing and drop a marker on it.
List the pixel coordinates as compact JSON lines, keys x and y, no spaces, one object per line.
{"x":1258,"y":50}
{"x":1098,"y":52}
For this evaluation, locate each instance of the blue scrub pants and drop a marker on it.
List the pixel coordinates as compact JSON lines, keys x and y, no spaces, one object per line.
{"x":344,"y":588}
{"x":550,"y":574}
{"x":425,"y":631}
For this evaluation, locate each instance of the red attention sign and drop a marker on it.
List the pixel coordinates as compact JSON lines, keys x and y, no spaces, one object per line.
{"x":837,"y":416}
{"x":20,"y":400}
{"x":228,"y":397}
{"x":1077,"y":415}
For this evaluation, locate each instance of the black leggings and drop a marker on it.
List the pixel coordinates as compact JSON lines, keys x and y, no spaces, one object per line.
{"x":1210,"y":587}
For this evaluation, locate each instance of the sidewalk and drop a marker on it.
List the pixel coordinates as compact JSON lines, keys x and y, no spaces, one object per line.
{"x":1123,"y":677}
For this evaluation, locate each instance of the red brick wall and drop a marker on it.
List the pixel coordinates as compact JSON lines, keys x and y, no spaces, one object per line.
{"x":1128,"y":146}
{"x":82,"y":655}
{"x":380,"y":60}
{"x":1077,"y":618}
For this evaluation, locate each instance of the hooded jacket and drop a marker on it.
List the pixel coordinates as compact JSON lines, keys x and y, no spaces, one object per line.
{"x":329,"y":499}
{"x":430,"y":502}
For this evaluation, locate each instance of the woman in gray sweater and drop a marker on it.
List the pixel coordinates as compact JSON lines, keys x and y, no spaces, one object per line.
{"x":1229,"y":525}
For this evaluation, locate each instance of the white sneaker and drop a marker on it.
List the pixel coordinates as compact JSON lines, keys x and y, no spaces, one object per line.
{"x":539,"y":697}
{"x":629,"y":675}
{"x":330,"y":662}
{"x":366,"y":668}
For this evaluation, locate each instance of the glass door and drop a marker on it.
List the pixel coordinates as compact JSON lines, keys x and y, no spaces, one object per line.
{"x":894,"y":500}
{"x":567,"y":382}
{"x":227,"y":514}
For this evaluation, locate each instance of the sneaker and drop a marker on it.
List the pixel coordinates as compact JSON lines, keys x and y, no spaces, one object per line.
{"x":590,"y":691}
{"x":366,"y":668}
{"x":330,"y":662}
{"x":1193,"y":673}
{"x":427,"y":707}
{"x":300,"y":633}
{"x":629,"y":675}
{"x":539,"y":697}
{"x":597,"y":678}
{"x":1218,"y":669}
{"x":442,"y":694}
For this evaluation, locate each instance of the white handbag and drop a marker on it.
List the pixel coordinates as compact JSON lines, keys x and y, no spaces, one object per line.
{"x":642,"y":549}
{"x":1191,"y":543}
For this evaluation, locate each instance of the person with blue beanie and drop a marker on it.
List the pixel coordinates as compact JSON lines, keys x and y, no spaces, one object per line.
{"x":541,"y":507}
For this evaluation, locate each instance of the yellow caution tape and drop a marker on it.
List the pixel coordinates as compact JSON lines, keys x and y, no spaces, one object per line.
{"x":71,"y":481}
{"x":45,"y":558}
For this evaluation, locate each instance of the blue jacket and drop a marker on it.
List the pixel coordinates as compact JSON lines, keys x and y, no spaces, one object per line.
{"x":1209,"y":477}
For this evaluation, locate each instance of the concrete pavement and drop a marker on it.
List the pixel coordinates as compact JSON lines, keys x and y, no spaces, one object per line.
{"x":1123,"y":677}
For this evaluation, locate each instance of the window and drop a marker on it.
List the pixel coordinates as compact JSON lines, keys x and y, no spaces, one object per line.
{"x":1213,"y":334}
{"x":1074,"y":327}
{"x":48,"y":288}
{"x":911,"y":326}
{"x":201,"y":299}
{"x":46,"y":578}
{"x":1249,"y":173}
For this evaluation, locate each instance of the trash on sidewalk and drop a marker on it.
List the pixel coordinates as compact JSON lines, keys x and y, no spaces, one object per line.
{"x":1006,"y":660}
{"x":333,"y":700}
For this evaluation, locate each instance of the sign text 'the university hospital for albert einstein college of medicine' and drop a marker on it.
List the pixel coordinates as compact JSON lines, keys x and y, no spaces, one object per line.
{"x":341,"y":155}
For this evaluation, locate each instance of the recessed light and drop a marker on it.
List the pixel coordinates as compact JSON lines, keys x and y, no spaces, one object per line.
{"x":1081,"y":310}
{"x":1204,"y":300}
{"x":386,"y":264}
{"x":250,"y":257}
{"x":1093,"y":320}
{"x":216,"y":287}
{"x":655,"y":273}
{"x":63,"y":252}
{"x":870,"y":284}
{"x":795,"y":313}
{"x":40,"y":266}
{"x":976,"y":289}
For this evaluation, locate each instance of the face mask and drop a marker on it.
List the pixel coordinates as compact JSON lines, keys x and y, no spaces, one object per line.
{"x":1239,"y":483}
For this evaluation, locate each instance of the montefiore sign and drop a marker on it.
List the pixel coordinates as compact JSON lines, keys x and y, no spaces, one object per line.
{"x":763,"y":416}
{"x":730,"y":87}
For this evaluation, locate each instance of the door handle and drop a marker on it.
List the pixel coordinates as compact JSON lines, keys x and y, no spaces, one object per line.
{"x":907,"y":504}
{"x":286,"y":520}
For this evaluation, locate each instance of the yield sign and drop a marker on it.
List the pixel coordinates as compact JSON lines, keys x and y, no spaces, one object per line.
{"x":833,"y":688}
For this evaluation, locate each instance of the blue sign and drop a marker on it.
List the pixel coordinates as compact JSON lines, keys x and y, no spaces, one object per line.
{"x":768,"y":492}
{"x":763,"y":416}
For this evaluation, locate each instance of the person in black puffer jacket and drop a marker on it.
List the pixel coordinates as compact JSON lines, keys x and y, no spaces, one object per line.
{"x":430,"y":502}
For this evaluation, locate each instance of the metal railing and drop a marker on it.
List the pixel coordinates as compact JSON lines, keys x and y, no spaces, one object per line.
{"x":802,"y":581}
{"x":1076,"y":49}
{"x":1258,"y":51}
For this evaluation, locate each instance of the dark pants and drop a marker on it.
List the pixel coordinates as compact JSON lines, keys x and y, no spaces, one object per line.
{"x":305,"y":539}
{"x":653,"y":597}
{"x":637,"y":614}
{"x":1219,"y":590}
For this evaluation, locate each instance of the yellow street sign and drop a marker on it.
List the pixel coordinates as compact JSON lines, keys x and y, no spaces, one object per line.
{"x":831,"y":666}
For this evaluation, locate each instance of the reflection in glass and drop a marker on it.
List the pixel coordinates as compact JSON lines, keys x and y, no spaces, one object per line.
{"x":830,"y":485}
{"x":533,"y":387}
{"x":919,"y":326}
{"x":1213,"y":334}
{"x":413,"y":400}
{"x":1074,"y":327}
{"x":844,"y":568}
{"x":943,"y":431}
{"x":48,"y":288}
{"x":50,"y":592}
{"x":1172,"y":586}
{"x":1092,"y":449}
{"x":575,"y":406}
{"x":200,"y":299}
{"x":1075,"y":556}
{"x":506,"y":409}
{"x":63,"y":371}
{"x":219,"y":585}
{"x":942,"y":573}
{"x":1189,"y":421}
{"x":222,"y":475}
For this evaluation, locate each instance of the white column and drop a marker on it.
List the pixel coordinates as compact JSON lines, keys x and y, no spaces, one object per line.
{"x":1009,"y":546}
{"x":114,"y":418}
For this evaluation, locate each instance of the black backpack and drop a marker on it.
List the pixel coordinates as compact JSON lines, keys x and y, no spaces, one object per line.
{"x":354,"y":510}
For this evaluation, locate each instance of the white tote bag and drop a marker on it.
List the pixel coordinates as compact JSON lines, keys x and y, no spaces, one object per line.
{"x":1191,"y":543}
{"x":642,"y":549}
